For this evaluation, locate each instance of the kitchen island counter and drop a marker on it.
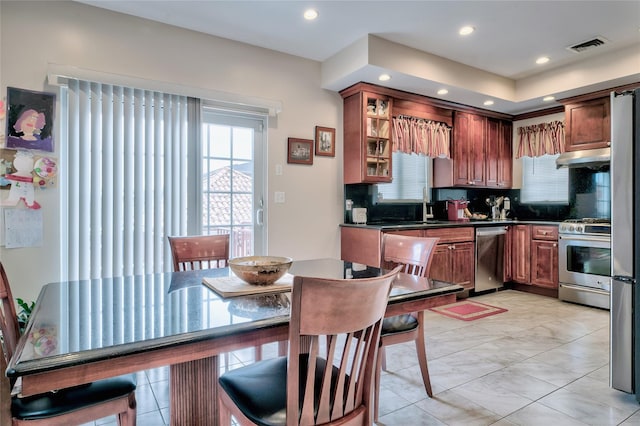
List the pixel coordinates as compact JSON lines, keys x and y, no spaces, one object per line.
{"x":387,"y":226}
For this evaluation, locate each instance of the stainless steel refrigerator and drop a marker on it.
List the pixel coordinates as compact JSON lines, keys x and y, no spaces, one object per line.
{"x":625,"y":242}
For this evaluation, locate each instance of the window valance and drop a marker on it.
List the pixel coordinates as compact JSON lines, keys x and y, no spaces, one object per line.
{"x":418,"y":136}
{"x":541,"y":139}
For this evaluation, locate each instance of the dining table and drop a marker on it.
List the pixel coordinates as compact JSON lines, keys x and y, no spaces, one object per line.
{"x":87,"y":330}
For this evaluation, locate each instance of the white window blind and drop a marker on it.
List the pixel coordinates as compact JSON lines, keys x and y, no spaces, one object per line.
{"x":542,"y":183}
{"x":410,"y":177}
{"x":124,"y":187}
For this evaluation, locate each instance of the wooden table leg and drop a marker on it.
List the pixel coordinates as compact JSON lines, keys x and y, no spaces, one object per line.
{"x":193,"y":399}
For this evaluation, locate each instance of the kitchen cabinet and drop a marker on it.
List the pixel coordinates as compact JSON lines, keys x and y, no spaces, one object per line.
{"x":498,"y":158}
{"x":468,"y":149}
{"x":534,"y":258}
{"x":454,"y":256}
{"x":544,"y":256}
{"x":588,"y":124}
{"x":481,"y":154}
{"x":521,"y":254}
{"x":367,"y":137}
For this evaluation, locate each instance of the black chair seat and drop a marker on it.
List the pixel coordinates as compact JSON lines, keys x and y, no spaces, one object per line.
{"x":260,"y":389}
{"x":67,"y":400}
{"x":399,"y":324}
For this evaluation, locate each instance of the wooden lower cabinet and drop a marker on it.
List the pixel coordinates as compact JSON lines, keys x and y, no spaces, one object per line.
{"x":534,"y":258}
{"x":544,"y":256}
{"x":454,"y":256}
{"x":521,"y":254}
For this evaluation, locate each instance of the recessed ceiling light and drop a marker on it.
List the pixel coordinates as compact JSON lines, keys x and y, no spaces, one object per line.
{"x":310,"y":14}
{"x":384,"y":77}
{"x":443,"y":92}
{"x":487,"y":103}
{"x":542,"y":60}
{"x":466,"y":30}
{"x":548,"y":98}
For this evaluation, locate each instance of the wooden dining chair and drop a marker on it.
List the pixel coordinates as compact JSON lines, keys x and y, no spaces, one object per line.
{"x":199,"y":252}
{"x":415,"y":255}
{"x":63,"y":407}
{"x":328,"y":375}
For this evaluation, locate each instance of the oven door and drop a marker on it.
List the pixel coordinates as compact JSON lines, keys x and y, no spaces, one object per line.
{"x":585,"y":260}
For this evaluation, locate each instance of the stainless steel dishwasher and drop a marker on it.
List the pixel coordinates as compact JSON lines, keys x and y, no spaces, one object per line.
{"x":490,"y":257}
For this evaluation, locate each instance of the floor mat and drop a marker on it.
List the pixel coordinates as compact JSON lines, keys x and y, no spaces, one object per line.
{"x":468,"y":310}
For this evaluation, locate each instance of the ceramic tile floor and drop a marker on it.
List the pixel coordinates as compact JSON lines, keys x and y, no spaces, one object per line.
{"x":544,"y":362}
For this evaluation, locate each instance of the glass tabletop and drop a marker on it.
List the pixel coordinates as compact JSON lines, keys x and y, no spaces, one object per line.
{"x":79,"y":321}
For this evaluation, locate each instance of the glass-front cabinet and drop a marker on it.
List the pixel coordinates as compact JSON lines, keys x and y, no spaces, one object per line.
{"x":378,"y":158}
{"x":367,"y":137}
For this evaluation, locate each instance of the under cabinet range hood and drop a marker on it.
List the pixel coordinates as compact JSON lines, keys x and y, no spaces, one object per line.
{"x":585,"y":158}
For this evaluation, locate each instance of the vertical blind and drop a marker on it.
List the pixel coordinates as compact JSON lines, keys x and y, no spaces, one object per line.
{"x":124,"y":184}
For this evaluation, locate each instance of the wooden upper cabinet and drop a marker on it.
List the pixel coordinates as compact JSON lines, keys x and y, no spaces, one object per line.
{"x":588,"y":124}
{"x":367,"y":138}
{"x":469,"y":149}
{"x":498,"y":149}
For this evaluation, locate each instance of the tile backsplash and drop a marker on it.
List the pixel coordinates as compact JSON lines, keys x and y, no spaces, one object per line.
{"x":362,"y":195}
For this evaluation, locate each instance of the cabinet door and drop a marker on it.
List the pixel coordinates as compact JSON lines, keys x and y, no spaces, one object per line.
{"x":505,"y":155}
{"x":463,"y":265}
{"x":588,"y":124}
{"x":461,"y":155}
{"x":544,"y":263}
{"x":441,"y":263}
{"x":521,"y":249}
{"x":367,"y":138}
{"x":377,"y":140}
{"x":498,"y":154}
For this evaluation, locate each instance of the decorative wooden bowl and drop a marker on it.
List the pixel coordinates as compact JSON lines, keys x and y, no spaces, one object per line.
{"x":260,"y":270}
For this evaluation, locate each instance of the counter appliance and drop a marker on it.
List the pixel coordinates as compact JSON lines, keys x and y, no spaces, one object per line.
{"x":625,"y":242}
{"x":490,"y":243}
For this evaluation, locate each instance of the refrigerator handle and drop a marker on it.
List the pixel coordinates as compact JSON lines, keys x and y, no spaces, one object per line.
{"x":624,"y":279}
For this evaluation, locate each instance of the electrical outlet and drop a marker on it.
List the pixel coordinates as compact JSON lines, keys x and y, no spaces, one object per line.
{"x":348,"y":205}
{"x":279,"y":197}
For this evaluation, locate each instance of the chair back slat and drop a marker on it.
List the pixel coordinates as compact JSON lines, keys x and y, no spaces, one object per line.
{"x":413,"y":253}
{"x":199,"y":252}
{"x":8,"y":318}
{"x":335,"y":327}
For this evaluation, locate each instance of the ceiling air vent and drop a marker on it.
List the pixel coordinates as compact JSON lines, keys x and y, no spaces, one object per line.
{"x":589,"y":44}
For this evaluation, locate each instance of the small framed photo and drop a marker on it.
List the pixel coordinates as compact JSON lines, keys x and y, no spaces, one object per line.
{"x":300,"y":151}
{"x":325,"y":141}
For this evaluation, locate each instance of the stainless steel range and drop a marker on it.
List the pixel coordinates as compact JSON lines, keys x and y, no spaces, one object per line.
{"x":584,"y":261}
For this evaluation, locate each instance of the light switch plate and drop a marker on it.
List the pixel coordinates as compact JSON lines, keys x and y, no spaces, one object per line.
{"x":279,"y":197}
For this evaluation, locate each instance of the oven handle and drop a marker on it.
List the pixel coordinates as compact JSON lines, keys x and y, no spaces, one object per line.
{"x":584,"y":238}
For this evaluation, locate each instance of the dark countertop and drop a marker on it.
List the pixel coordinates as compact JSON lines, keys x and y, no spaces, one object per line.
{"x":402,"y":225}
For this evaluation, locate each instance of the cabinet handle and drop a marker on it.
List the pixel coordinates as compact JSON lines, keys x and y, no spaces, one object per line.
{"x":555,"y":245}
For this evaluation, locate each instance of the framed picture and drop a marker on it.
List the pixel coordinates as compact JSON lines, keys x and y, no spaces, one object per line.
{"x":300,"y":151}
{"x":325,"y":141}
{"x":30,"y":119}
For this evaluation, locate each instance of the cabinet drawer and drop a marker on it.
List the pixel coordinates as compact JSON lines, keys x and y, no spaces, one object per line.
{"x":451,"y":235}
{"x":544,"y":232}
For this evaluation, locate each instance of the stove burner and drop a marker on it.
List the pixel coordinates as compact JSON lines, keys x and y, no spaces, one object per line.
{"x":589,"y":220}
{"x":586,"y":226}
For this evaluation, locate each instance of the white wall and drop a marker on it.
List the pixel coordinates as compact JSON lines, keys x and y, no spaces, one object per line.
{"x":35,"y":34}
